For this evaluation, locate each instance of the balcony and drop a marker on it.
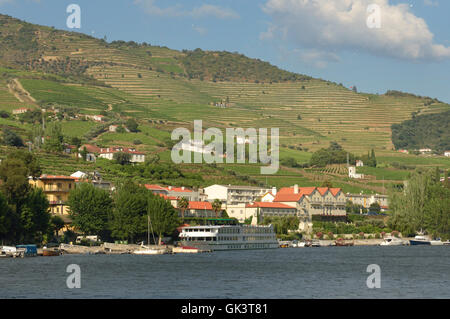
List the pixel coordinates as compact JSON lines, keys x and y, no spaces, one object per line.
{"x":56,"y":190}
{"x":57,"y":202}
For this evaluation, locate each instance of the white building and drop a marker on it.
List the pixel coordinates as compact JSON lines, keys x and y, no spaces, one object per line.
{"x":359,"y":163}
{"x":136,"y":157}
{"x":368,"y":199}
{"x":232,"y":194}
{"x":447,"y":153}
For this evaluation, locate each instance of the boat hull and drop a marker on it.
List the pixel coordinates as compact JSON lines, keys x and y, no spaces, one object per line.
{"x":419,"y":242}
{"x":51,"y":253}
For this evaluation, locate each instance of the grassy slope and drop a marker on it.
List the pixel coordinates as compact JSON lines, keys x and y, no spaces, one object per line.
{"x":142,"y":87}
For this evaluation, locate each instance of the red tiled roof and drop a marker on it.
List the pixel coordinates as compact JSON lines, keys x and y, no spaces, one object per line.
{"x":57,"y":177}
{"x":91,"y":148}
{"x":154,"y":187}
{"x":166,"y":188}
{"x":268,"y":205}
{"x":167,"y":197}
{"x":286,"y":194}
{"x":335,"y":191}
{"x":200,"y":205}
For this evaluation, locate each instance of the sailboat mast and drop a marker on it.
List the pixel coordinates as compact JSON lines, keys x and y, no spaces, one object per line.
{"x":148,"y":229}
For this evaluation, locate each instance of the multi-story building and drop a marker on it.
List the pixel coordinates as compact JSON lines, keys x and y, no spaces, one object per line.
{"x":136,"y":157}
{"x":232,"y":195}
{"x":310,"y":201}
{"x":368,"y":199}
{"x":57,"y":189}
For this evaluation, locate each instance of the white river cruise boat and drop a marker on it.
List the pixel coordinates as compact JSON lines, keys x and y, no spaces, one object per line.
{"x":229,"y":237}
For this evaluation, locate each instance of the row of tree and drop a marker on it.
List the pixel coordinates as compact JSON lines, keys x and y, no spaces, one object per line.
{"x":124,"y":215}
{"x":423,"y":205}
{"x":24,"y":210}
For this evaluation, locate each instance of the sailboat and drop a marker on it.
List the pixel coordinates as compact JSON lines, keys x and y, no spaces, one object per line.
{"x":146,"y":250}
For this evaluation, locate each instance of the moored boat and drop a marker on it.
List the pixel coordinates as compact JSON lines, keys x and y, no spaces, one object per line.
{"x":392,"y":241}
{"x":340,"y":242}
{"x":50,"y":252}
{"x":420,"y":240}
{"x":229,"y":237}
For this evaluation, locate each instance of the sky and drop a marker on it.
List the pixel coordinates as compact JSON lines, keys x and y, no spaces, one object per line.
{"x":375,"y":45}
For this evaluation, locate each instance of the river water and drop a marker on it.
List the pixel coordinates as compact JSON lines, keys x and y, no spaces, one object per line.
{"x":325,"y":272}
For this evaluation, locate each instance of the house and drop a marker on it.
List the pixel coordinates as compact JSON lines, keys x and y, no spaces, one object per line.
{"x":200,"y":209}
{"x":113,"y":128}
{"x":267,"y":209}
{"x":368,"y":199}
{"x":136,"y":157}
{"x":447,"y":153}
{"x":21,"y":110}
{"x":352,"y":173}
{"x":404,"y":151}
{"x":232,"y":194}
{"x":309,"y":201}
{"x":57,"y":189}
{"x":175,"y":192}
{"x":79,"y":175}
{"x":359,"y":163}
{"x":425,"y":150}
{"x":269,"y":196}
{"x":97,"y":118}
{"x":91,"y":150}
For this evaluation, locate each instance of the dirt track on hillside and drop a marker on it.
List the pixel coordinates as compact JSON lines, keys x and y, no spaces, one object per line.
{"x":16,"y":88}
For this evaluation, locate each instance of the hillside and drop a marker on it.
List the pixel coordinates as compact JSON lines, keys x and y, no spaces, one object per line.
{"x":163,"y":89}
{"x":423,"y":131}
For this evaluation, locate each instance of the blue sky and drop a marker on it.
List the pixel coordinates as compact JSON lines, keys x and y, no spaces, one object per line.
{"x":325,"y":39}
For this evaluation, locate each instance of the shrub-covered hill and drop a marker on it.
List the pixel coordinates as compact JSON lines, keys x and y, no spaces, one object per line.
{"x":423,"y":131}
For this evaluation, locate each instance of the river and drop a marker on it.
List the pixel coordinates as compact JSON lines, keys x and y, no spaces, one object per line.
{"x":325,"y":272}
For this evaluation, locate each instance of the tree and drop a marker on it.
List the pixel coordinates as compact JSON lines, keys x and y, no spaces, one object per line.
{"x":5,"y":217}
{"x":10,"y":138}
{"x":30,"y":161}
{"x":55,"y":141}
{"x":90,"y":209}
{"x":15,"y":185}
{"x":132,"y":125}
{"x":35,"y":216}
{"x":217,"y":206}
{"x":423,"y":205}
{"x":122,"y":158}
{"x":77,"y":143}
{"x":375,"y":207}
{"x":183,"y":204}
{"x":163,"y":216}
{"x":56,"y":224}
{"x":130,"y":211}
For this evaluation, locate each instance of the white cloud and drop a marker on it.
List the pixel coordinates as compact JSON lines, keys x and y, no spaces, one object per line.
{"x":199,"y":30}
{"x":205,"y":10}
{"x":324,"y":26}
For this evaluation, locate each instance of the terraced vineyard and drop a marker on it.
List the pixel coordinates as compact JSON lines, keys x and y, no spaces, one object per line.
{"x":153,"y":85}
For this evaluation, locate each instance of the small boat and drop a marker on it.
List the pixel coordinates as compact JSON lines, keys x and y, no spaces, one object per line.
{"x":315,"y":243}
{"x":342,"y":243}
{"x":392,"y":241}
{"x":298,"y":244}
{"x":50,"y":252}
{"x":437,"y":242}
{"x":420,"y":240}
{"x":148,"y":251}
